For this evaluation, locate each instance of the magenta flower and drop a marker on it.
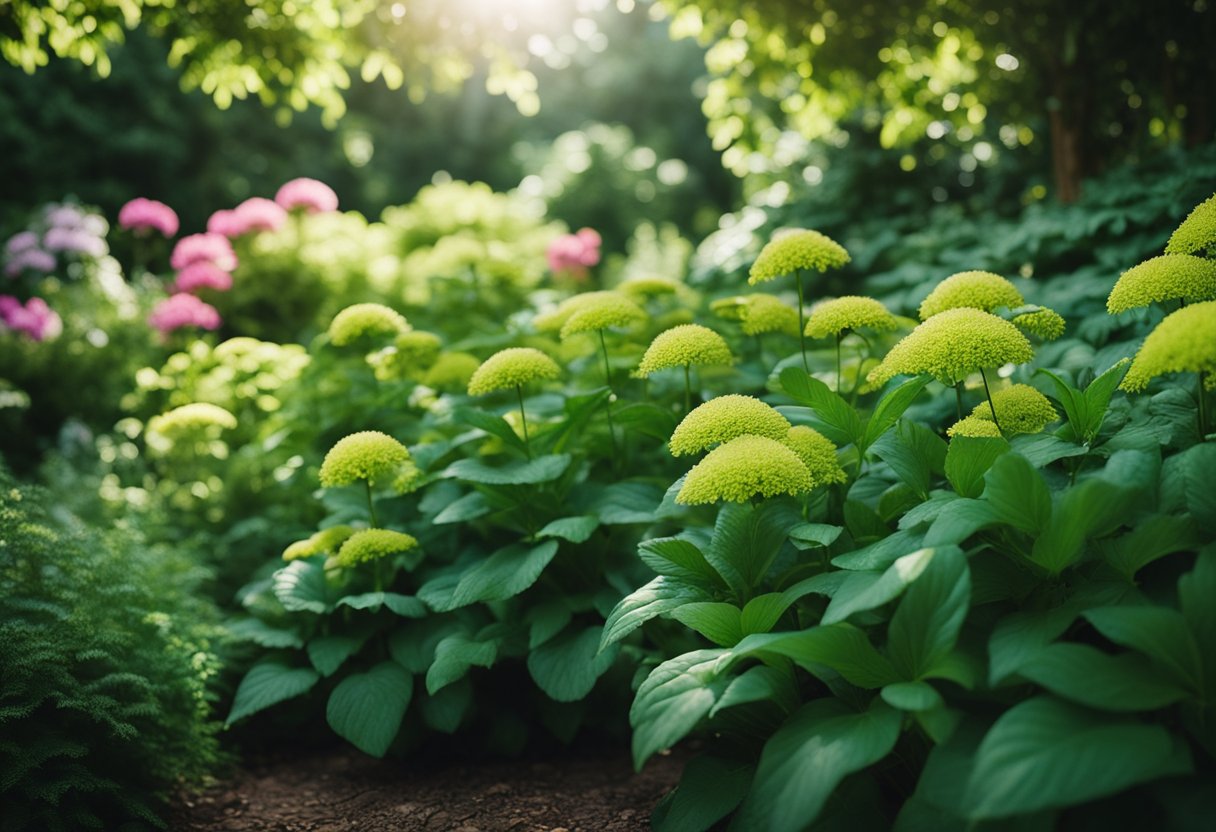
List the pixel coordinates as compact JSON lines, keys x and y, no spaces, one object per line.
{"x":182,"y":310}
{"x":259,"y":214}
{"x":35,"y":319}
{"x":574,"y":253}
{"x":32,"y":259}
{"x":144,"y":215}
{"x":308,"y":195}
{"x":202,"y":275}
{"x":203,"y":248}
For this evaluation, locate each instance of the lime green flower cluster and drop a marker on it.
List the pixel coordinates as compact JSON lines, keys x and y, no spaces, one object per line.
{"x":325,"y":542}
{"x":974,"y":289}
{"x":409,"y":357}
{"x":725,"y":418}
{"x":758,"y":313}
{"x":744,"y":468}
{"x":192,"y":429}
{"x":684,"y":346}
{"x":368,"y":456}
{"x":554,"y":319}
{"x":952,"y":345}
{"x":608,"y":310}
{"x":1185,"y":342}
{"x":975,"y":427}
{"x":794,"y":250}
{"x":451,"y":371}
{"x":842,"y":315}
{"x":512,"y":368}
{"x":1197,"y":233}
{"x":650,"y":287}
{"x":1042,"y":323}
{"x":817,"y":453}
{"x":1019,"y":407}
{"x":1167,"y":277}
{"x":370,"y":545}
{"x":365,"y":321}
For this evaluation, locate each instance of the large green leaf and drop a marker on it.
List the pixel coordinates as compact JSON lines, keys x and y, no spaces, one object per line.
{"x":1154,"y":537}
{"x":710,"y":787}
{"x":1087,"y":676}
{"x":760,"y":683}
{"x":405,"y":606}
{"x":927,"y":622}
{"x":890,"y":407}
{"x":1018,"y":494}
{"x":504,"y":574}
{"x":492,"y":424}
{"x":267,"y":683}
{"x":718,"y":621}
{"x":840,"y":647}
{"x":574,"y":529}
{"x":259,"y":632}
{"x":1160,"y":633}
{"x":300,"y":586}
{"x":327,"y":653}
{"x":1044,"y":753}
{"x":1196,"y":589}
{"x":673,"y":700}
{"x":814,"y":535}
{"x":1201,"y":485}
{"x":517,"y":472}
{"x":746,"y":541}
{"x":660,"y":596}
{"x":466,"y":508}
{"x":676,"y":557}
{"x":915,"y":453}
{"x":1097,"y":397}
{"x":446,"y":709}
{"x":862,"y":591}
{"x":1076,"y":409}
{"x":566,"y":667}
{"x":803,"y":762}
{"x":969,"y":458}
{"x":960,"y":521}
{"x":832,"y":415}
{"x":366,"y":709}
{"x":455,"y":655}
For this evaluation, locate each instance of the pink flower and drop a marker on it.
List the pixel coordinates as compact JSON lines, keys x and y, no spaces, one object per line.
{"x":311,"y":196}
{"x":74,"y":240}
{"x":35,"y":318}
{"x":33,"y":259}
{"x":20,"y":242}
{"x":181,"y":310}
{"x":202,"y":275}
{"x":224,"y":222}
{"x":208,"y":248}
{"x":259,"y":214}
{"x":145,"y":215}
{"x":574,"y":253}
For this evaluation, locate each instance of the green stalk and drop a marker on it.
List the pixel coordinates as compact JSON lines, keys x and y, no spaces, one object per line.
{"x":839,"y":375}
{"x":519,"y":392}
{"x":801,"y":322}
{"x":958,"y":399}
{"x":991,"y":406}
{"x":371,"y":505}
{"x":608,"y":401}
{"x":687,"y":390}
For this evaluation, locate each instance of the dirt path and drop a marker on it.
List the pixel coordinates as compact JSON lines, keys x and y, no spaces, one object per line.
{"x":345,"y":791}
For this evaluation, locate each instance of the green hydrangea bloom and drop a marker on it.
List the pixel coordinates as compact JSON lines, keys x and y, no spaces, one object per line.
{"x":723,"y":419}
{"x":451,"y":371}
{"x":974,"y":426}
{"x":409,"y":356}
{"x":555,"y":319}
{"x":324,"y":542}
{"x":365,"y":320}
{"x":1185,"y":342}
{"x":191,"y":419}
{"x":511,"y":368}
{"x":745,"y":468}
{"x":761,"y":313}
{"x":977,"y":290}
{"x":1043,"y":323}
{"x":952,"y":345}
{"x":817,"y":453}
{"x":368,"y":455}
{"x":649,"y":287}
{"x":373,"y":544}
{"x":684,"y":346}
{"x":1020,"y":409}
{"x":1197,"y":233}
{"x":839,"y":315}
{"x":1168,"y":277}
{"x":609,"y":310}
{"x":789,"y":251}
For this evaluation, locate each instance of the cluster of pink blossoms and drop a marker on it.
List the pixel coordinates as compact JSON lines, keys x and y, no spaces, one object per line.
{"x":144,"y":216}
{"x":574,"y":254}
{"x":33,"y":318}
{"x":182,"y":310}
{"x":260,"y":214}
{"x":307,"y":195}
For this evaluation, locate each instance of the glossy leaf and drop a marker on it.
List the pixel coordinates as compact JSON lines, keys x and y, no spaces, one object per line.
{"x":367,"y":708}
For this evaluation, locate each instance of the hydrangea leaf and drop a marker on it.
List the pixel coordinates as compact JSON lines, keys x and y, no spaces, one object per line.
{"x":367,"y":708}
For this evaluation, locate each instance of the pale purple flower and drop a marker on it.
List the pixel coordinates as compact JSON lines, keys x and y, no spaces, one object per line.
{"x":309,"y":195}
{"x":574,"y":253}
{"x":21,"y":241}
{"x":203,"y":248}
{"x":64,"y":216}
{"x":143,"y":215}
{"x":35,"y":319}
{"x":74,"y":240}
{"x":182,"y":310}
{"x":202,"y":275}
{"x":31,"y":259}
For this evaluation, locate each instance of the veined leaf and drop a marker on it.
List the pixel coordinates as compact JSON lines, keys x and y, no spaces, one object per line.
{"x":835,"y":419}
{"x":890,"y":407}
{"x":267,"y":683}
{"x":566,"y":667}
{"x":504,"y":574}
{"x":366,"y":709}
{"x":517,"y":472}
{"x":968,"y":459}
{"x":661,"y":595}
{"x":1087,"y":676}
{"x":927,"y":622}
{"x":673,"y":700}
{"x":840,"y":647}
{"x":1018,"y":494}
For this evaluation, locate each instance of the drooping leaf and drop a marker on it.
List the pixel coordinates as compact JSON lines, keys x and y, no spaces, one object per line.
{"x":516,"y":472}
{"x":912,"y":696}
{"x":1154,"y":537}
{"x":661,"y":595}
{"x":831,"y":415}
{"x":491,"y":423}
{"x":1201,"y":485}
{"x":566,"y":667}
{"x":963,"y":519}
{"x":673,"y":700}
{"x":968,"y":459}
{"x":676,"y":557}
{"x":862,"y":591}
{"x":914,"y":452}
{"x":890,"y":407}
{"x":466,"y":508}
{"x":1160,"y":633}
{"x":367,"y":708}
{"x":718,"y":621}
{"x":455,"y":655}
{"x":446,"y":709}
{"x":814,"y":535}
{"x":1018,"y":494}
{"x":259,"y":632}
{"x":1087,"y":676}
{"x":300,"y":587}
{"x":710,"y":787}
{"x":404,"y":605}
{"x":327,"y":653}
{"x":267,"y":683}
{"x":760,"y":684}
{"x":927,"y":622}
{"x":504,"y":574}
{"x":840,"y":647}
{"x":574,"y":529}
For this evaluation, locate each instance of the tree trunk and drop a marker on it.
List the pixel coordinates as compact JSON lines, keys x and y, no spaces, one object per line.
{"x":1067,"y":157}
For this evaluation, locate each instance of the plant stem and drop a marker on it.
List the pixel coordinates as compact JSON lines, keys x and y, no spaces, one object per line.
{"x":608,"y":401}
{"x":958,"y":399}
{"x":839,"y":375}
{"x":687,"y":390}
{"x":801,"y":322}
{"x":371,"y":505}
{"x":1203,"y":416}
{"x":991,"y":406}
{"x":519,"y":392}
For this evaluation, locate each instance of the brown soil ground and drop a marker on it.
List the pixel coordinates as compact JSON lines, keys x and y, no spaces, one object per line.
{"x":343,"y":791}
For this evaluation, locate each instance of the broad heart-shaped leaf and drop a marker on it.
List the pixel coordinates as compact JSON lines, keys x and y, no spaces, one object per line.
{"x":678,"y":558}
{"x":491,"y":424}
{"x":300,"y":587}
{"x":1154,"y":537}
{"x":890,"y":407}
{"x":832,"y":416}
{"x":672,"y":700}
{"x":328,"y":652}
{"x":1087,"y":676}
{"x":814,"y":535}
{"x":660,"y":596}
{"x":840,"y":647}
{"x":969,"y":458}
{"x":863,"y":591}
{"x":1018,"y":493}
{"x":709,"y":789}
{"x":447,"y":708}
{"x":1042,"y":449}
{"x":1160,"y":633}
{"x":927,"y":622}
{"x":1045,"y":754}
{"x":267,"y":683}
{"x":574,"y":529}
{"x":915,"y":453}
{"x":504,"y":574}
{"x":454,"y":655}
{"x":517,"y":472}
{"x":366,"y":708}
{"x":747,"y":539}
{"x":806,"y":759}
{"x":566,"y":667}
{"x":718,"y":621}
